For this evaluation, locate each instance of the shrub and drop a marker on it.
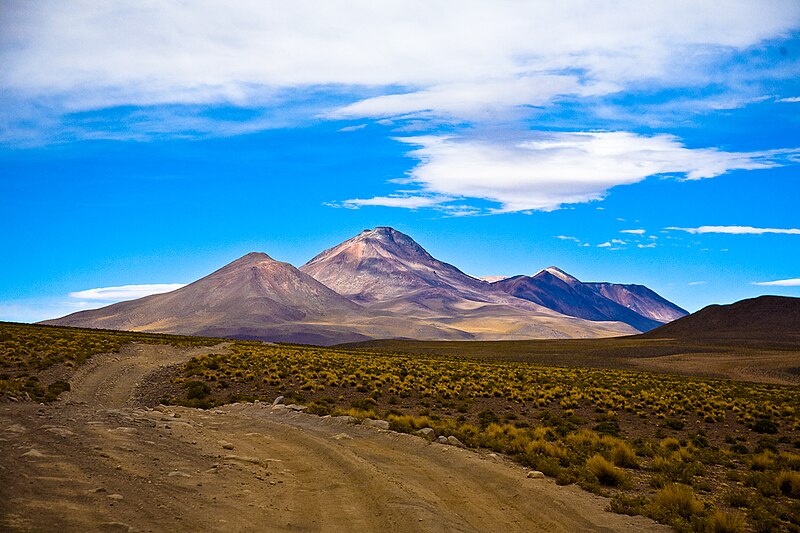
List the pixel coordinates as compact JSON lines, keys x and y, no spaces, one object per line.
{"x":789,"y":483}
{"x":761,"y":462}
{"x":629,"y":505}
{"x":487,"y":417}
{"x":196,"y":390}
{"x":57,"y":387}
{"x":722,"y":522}
{"x":670,"y":444}
{"x":607,"y":424}
{"x":674,"y":423}
{"x":623,"y":455}
{"x":765,"y":425}
{"x":739,"y":499}
{"x":676,"y":500}
{"x":606,"y":473}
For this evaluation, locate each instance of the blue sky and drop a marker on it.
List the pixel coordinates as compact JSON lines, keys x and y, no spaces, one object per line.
{"x":147,"y":144}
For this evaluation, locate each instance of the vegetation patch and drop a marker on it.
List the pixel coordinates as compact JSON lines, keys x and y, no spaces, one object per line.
{"x":698,"y":454}
{"x":27,"y":349}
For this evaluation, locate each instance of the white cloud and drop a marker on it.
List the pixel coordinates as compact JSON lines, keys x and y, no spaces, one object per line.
{"x":780,"y":283}
{"x":793,"y":99}
{"x":556,"y":168}
{"x":449,"y":58}
{"x":353,"y":128}
{"x":695,"y":283}
{"x":736,"y":230}
{"x":568,"y":238}
{"x":408,"y":202}
{"x":125,"y":292}
{"x":651,"y":245}
{"x":633,"y":231}
{"x":606,"y":244}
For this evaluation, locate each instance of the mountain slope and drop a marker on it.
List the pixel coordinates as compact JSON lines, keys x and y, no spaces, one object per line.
{"x":559,"y":291}
{"x":641,"y":300}
{"x":382,"y":264}
{"x":388,"y":272}
{"x":246,"y":298}
{"x":766,"y":318}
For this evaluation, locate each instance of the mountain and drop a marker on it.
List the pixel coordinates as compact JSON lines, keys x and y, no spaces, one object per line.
{"x":388,"y":272}
{"x":640,"y":299}
{"x":252,"y":297}
{"x":766,"y":318}
{"x":379,"y":284}
{"x":559,"y":291}
{"x":383,"y":264}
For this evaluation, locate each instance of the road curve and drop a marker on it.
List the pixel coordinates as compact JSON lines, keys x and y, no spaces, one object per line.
{"x":99,"y":462}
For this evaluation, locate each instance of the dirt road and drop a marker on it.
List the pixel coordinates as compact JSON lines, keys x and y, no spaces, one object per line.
{"x":100,"y":461}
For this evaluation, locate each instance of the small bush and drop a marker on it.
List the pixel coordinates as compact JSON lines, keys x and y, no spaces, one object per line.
{"x":765,"y":425}
{"x":57,"y":387}
{"x":761,"y":462}
{"x":487,"y":417}
{"x":196,"y":390}
{"x":628,"y":505}
{"x":674,"y":423}
{"x":676,"y":500}
{"x":623,"y":455}
{"x":739,"y":499}
{"x":607,"y":424}
{"x":722,"y":522}
{"x":740,"y":449}
{"x":789,"y":483}
{"x":606,"y":473}
{"x":670,"y":444}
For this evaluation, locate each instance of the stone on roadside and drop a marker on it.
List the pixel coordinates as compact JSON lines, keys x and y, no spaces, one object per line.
{"x":535,"y":474}
{"x":452,"y":441}
{"x":33,"y":453}
{"x":296,"y":407}
{"x":226,"y":445}
{"x":442,"y":440}
{"x":380,"y":424}
{"x":427,"y":433}
{"x":278,"y":401}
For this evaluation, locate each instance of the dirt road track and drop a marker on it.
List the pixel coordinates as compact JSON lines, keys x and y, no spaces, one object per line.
{"x":99,"y":462}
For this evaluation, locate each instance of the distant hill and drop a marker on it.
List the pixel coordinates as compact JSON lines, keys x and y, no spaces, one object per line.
{"x":641,"y":300}
{"x":557,"y":290}
{"x":766,"y":318}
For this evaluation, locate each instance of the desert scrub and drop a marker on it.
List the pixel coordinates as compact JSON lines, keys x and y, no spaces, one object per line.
{"x":789,"y":484}
{"x":605,"y":472}
{"x":27,"y":349}
{"x":642,"y":433}
{"x":677,"y":505}
{"x":726,"y":522}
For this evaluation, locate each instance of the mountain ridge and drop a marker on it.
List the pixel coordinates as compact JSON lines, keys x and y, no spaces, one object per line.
{"x":378,"y":284}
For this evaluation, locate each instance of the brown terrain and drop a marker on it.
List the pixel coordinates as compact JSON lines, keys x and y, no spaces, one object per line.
{"x":752,"y":340}
{"x":103,"y":460}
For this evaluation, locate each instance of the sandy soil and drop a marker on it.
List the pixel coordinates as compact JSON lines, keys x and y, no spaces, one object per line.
{"x":101,"y":461}
{"x":776,"y":367}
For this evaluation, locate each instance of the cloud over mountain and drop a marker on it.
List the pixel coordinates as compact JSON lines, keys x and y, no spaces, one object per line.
{"x":556,"y":168}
